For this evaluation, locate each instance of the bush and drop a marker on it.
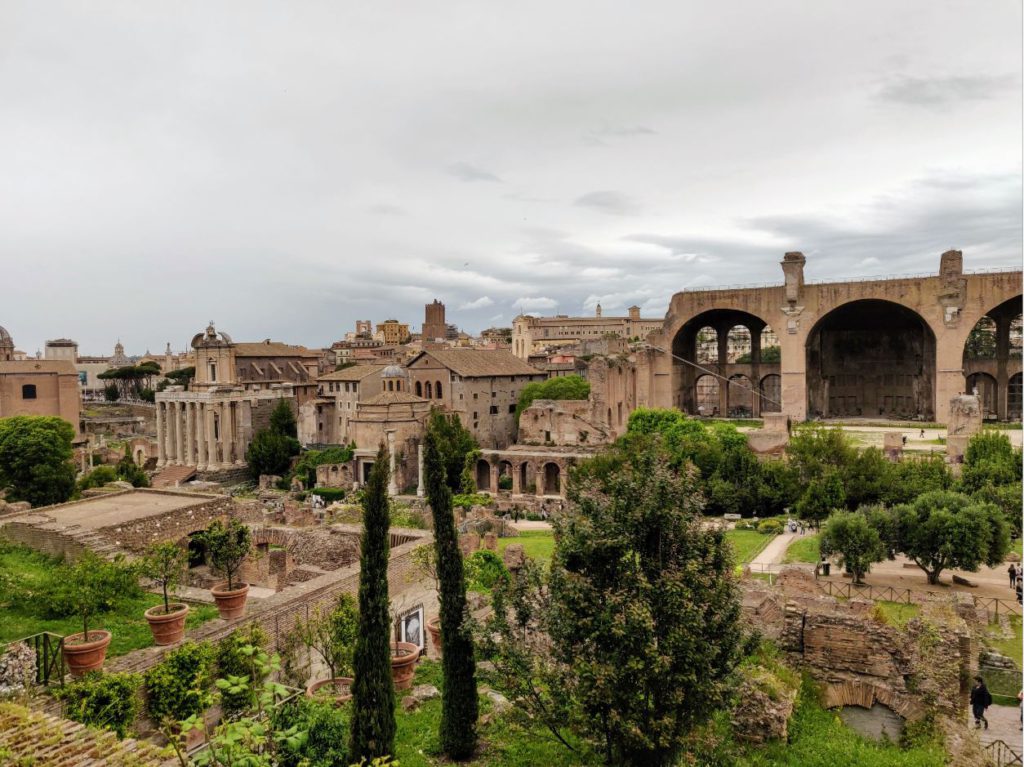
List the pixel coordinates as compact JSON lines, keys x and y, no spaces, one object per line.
{"x":270,"y":453}
{"x":108,"y":701}
{"x":468,"y":500}
{"x":483,"y":570}
{"x":773,"y":526}
{"x":330,"y":494}
{"x":227,"y":546}
{"x":179,"y":686}
{"x":98,"y":477}
{"x":232,"y":661}
{"x":111,"y":393}
{"x":563,"y":387}
{"x":92,"y":585}
{"x":327,"y":734}
{"x":505,"y":482}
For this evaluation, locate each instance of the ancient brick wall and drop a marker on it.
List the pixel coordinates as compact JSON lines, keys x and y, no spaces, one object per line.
{"x":136,"y":535}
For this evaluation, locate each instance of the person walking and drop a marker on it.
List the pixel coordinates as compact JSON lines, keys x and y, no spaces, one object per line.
{"x":1014,"y":574}
{"x":981,"y":699}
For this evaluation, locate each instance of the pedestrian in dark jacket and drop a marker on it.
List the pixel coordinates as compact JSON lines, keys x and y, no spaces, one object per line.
{"x":981,"y":699}
{"x":1014,"y":574}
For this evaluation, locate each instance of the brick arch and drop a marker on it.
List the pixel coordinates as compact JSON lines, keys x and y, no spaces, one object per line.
{"x":864,"y":694}
{"x":271,"y":536}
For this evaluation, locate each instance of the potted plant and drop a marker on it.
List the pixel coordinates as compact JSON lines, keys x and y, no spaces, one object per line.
{"x":434,"y":629}
{"x":332,"y":635}
{"x":89,"y":586}
{"x":227,"y":546}
{"x":403,"y":663}
{"x":164,"y":564}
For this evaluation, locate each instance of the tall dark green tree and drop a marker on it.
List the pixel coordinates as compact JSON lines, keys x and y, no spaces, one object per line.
{"x":282,"y":419}
{"x":373,"y":693}
{"x":459,"y":705}
{"x":455,"y":444}
{"x":35,"y":459}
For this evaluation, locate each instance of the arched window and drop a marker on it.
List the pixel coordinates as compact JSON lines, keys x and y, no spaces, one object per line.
{"x":28,"y":391}
{"x":419,"y":389}
{"x":430,"y":393}
{"x":391,"y":385}
{"x":437,"y":390}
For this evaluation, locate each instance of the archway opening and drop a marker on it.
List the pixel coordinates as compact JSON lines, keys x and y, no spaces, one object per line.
{"x":504,"y":475}
{"x":992,"y":357}
{"x":741,"y":397}
{"x":706,"y":395}
{"x":552,"y":476}
{"x":984,"y":385}
{"x":871,"y":358}
{"x":771,"y":393}
{"x":483,"y":475}
{"x":196,"y":549}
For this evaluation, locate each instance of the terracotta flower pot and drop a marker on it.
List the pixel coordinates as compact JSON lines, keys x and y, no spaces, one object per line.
{"x":231,"y":604}
{"x":403,"y":663}
{"x":434,"y":629}
{"x":340,"y":685}
{"x":85,"y":656}
{"x":167,"y":628}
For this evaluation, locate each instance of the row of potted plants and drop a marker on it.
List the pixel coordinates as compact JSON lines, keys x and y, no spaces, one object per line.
{"x":92,"y":586}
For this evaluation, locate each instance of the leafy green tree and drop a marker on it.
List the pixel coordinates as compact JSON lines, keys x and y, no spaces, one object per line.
{"x":164,"y":564}
{"x":98,"y":477}
{"x":227,"y":546}
{"x":282,"y":419}
{"x":769,"y":355}
{"x":110,"y":392}
{"x":1007,"y":498}
{"x":270,"y":453}
{"x":981,"y":341}
{"x":562,"y":387}
{"x":182,"y":376}
{"x":915,"y":476}
{"x":456,"y":450}
{"x":814,"y":450}
{"x":990,"y":460}
{"x":35,"y":459}
{"x":130,"y":471}
{"x":822,"y":496}
{"x":459,"y":705}
{"x":849,"y":534}
{"x":373,"y":693}
{"x":234,"y":660}
{"x":645,"y":613}
{"x":942,"y":530}
{"x":869,"y":478}
{"x":91,"y":585}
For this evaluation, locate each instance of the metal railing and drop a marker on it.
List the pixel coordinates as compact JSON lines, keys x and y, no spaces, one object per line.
{"x":1002,"y":754}
{"x":49,"y":651}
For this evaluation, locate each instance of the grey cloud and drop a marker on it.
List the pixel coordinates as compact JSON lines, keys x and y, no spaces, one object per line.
{"x":939,"y":92}
{"x":464,"y":171}
{"x":601,"y":136}
{"x":607,"y":201}
{"x":384,"y":209}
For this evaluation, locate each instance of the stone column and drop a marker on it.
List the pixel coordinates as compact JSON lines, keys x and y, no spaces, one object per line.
{"x":494,"y":478}
{"x":1002,"y":359}
{"x":755,"y":372}
{"x":419,"y":463}
{"x":200,"y":429}
{"x":227,"y":433}
{"x":516,"y":484}
{"x":170,"y":430}
{"x":538,"y":479}
{"x":190,"y":434}
{"x":723,"y":360}
{"x":236,"y":434}
{"x":392,"y":479}
{"x":213,"y":460}
{"x":563,"y":480}
{"x":179,"y":432}
{"x":161,"y":456}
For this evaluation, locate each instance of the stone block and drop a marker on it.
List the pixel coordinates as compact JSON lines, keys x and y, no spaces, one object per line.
{"x":514,"y":556}
{"x":468,"y":543}
{"x":490,"y":541}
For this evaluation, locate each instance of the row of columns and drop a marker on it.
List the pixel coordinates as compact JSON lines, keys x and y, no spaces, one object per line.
{"x":207,"y":435}
{"x":538,"y":476}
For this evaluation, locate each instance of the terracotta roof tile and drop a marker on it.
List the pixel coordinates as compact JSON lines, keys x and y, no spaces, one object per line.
{"x":482,"y":363}
{"x":354,"y":373}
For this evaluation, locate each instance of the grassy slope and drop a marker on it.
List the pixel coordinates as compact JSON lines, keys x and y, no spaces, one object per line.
{"x":539,"y":544}
{"x":804,"y":549}
{"x":126,"y":623}
{"x":747,"y":544}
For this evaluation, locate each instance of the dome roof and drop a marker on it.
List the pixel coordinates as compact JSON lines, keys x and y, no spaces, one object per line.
{"x":393,"y":371}
{"x":5,"y":338}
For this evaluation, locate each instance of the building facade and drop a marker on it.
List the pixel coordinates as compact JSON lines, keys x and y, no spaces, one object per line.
{"x":533,"y":335}
{"x":38,"y":387}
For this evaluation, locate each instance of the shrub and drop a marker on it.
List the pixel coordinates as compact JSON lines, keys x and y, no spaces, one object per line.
{"x":330,"y":494}
{"x":227,"y":545}
{"x":232,"y":661}
{"x":98,"y":477}
{"x":179,"y":686}
{"x":468,"y":500}
{"x":484,"y":569}
{"x":773,"y":526}
{"x":108,"y":701}
{"x":327,"y":734}
{"x":505,"y":482}
{"x":92,"y":585}
{"x":164,"y":564}
{"x":332,"y":635}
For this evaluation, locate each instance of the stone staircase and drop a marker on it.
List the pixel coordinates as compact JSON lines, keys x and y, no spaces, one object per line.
{"x":173,"y":476}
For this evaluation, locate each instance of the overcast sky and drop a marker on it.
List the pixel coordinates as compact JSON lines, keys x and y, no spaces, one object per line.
{"x":285,"y":168}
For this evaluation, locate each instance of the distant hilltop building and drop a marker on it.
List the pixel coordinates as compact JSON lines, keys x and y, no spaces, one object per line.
{"x":531,"y":335}
{"x":38,"y":386}
{"x":435,"y":330}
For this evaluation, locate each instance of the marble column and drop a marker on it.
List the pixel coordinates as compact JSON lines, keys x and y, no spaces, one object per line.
{"x":200,"y":429}
{"x":212,"y":459}
{"x":723,"y":360}
{"x":494,"y":479}
{"x":539,"y":475}
{"x":161,"y":457}
{"x":190,"y":433}
{"x":179,"y":432}
{"x":419,"y":477}
{"x":516,"y":474}
{"x":563,"y":480}
{"x":169,"y":432}
{"x":392,"y":480}
{"x":227,"y":431}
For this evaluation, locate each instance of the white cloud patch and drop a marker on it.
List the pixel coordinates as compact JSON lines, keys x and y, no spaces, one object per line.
{"x":481,"y":303}
{"x":535,"y":304}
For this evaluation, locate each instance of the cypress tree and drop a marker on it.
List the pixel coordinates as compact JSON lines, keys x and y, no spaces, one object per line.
{"x":373,"y":692}
{"x":459,"y":705}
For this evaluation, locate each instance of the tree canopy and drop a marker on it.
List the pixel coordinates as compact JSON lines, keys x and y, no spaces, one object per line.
{"x":35,"y":459}
{"x":562,"y":387}
{"x":851,"y":535}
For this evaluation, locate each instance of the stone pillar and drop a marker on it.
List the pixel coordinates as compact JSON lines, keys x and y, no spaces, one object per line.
{"x":212,"y":459}
{"x":190,"y":434}
{"x":392,"y":479}
{"x":1002,"y":359}
{"x":563,"y":480}
{"x":755,"y":372}
{"x":236,"y":434}
{"x":179,"y":432}
{"x":419,"y":475}
{"x":169,"y":434}
{"x":538,"y":479}
{"x":227,"y":432}
{"x":494,"y":478}
{"x":200,"y":430}
{"x":723,"y":360}
{"x":161,"y":455}
{"x":516,"y":484}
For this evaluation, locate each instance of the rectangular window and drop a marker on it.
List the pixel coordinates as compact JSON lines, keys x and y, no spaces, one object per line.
{"x":475,"y":416}
{"x":28,"y":391}
{"x":512,"y":408}
{"x":494,"y":409}
{"x":213,"y":371}
{"x":475,"y":395}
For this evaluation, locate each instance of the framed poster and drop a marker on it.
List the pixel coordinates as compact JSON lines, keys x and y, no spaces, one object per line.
{"x":411,"y":627}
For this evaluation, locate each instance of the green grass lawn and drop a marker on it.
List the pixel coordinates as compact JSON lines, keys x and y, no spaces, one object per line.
{"x":1011,"y":648}
{"x":896,"y":613}
{"x":539,"y":544}
{"x":803,"y":549}
{"x":747,"y":544}
{"x":126,"y":622}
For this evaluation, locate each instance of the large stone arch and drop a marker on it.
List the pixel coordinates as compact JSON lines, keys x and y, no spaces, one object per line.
{"x":992,"y":356}
{"x":871,"y":358}
{"x":690,"y":363}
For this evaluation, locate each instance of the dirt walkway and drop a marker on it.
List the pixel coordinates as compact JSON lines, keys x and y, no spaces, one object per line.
{"x":773,"y":553}
{"x":1003,"y":724}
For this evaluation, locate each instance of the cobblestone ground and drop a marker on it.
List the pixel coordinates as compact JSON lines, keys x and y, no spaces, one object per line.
{"x":1003,"y":724}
